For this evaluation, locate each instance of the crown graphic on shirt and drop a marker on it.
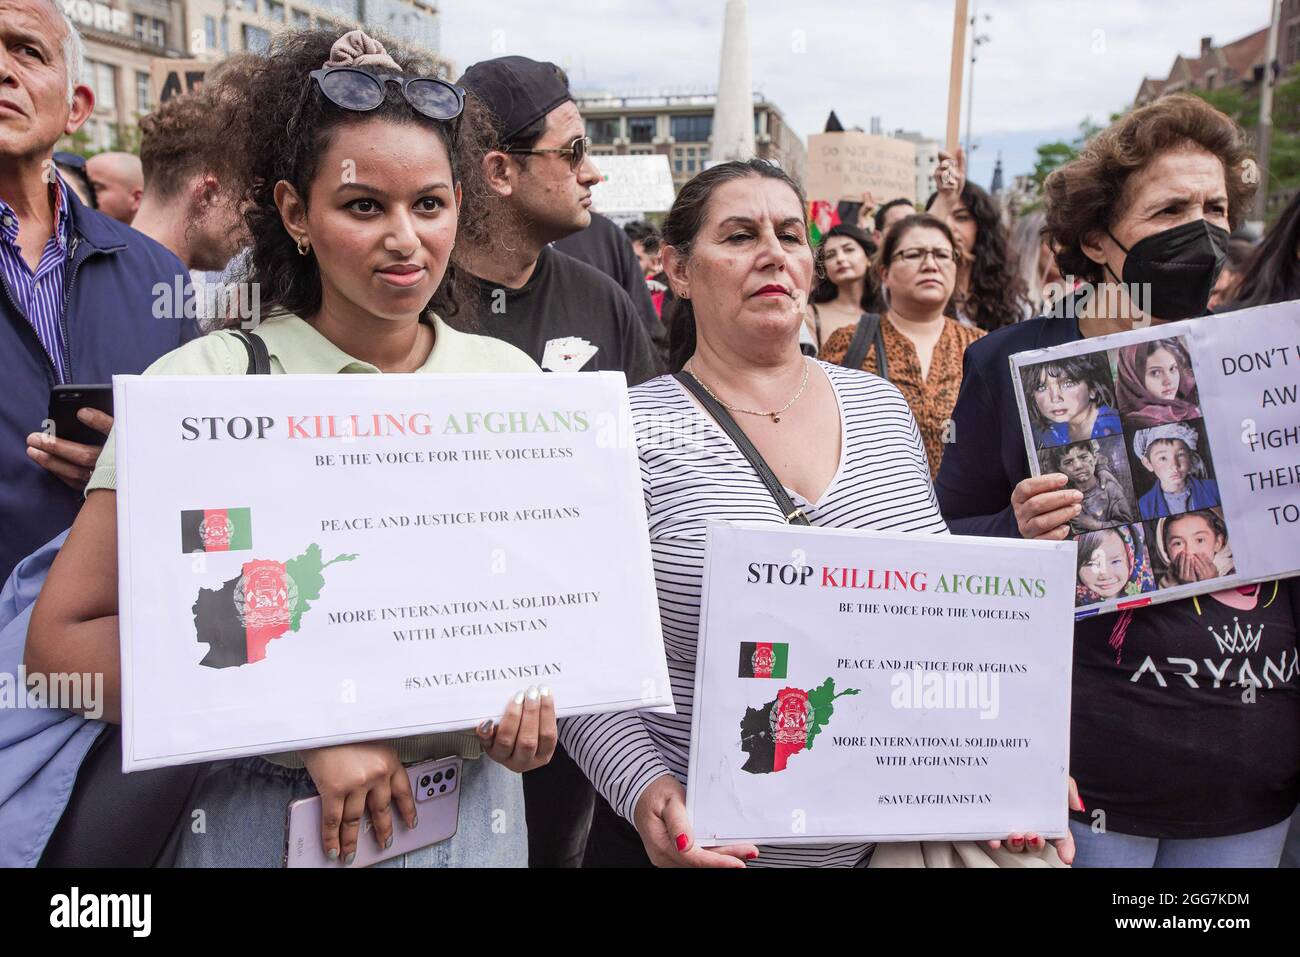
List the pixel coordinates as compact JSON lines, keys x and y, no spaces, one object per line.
{"x":1237,"y":641}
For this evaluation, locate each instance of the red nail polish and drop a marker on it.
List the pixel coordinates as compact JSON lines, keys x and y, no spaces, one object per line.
{"x":1016,"y":841}
{"x":751,"y":855}
{"x":1081,"y":805}
{"x":681,"y":842}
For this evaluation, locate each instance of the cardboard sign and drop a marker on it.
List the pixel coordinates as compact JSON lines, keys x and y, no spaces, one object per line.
{"x":633,"y":184}
{"x":174,"y":77}
{"x":844,"y":165}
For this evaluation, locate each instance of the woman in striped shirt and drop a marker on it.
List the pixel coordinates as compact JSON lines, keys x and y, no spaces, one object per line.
{"x":843,"y":443}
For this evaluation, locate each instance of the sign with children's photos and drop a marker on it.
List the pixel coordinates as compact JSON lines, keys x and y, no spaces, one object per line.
{"x":1184,"y":439}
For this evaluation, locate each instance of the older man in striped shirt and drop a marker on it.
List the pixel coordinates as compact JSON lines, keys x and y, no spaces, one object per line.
{"x":77,"y":289}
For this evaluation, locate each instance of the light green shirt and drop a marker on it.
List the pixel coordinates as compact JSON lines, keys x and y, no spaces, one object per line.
{"x":296,"y":348}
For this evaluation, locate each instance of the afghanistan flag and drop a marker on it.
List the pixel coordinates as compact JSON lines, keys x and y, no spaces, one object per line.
{"x":763,"y":659}
{"x":823,"y":216}
{"x":216,"y":530}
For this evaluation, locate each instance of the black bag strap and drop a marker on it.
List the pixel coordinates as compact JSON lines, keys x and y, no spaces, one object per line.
{"x":259,"y":360}
{"x":867,"y":334}
{"x":792,"y":513}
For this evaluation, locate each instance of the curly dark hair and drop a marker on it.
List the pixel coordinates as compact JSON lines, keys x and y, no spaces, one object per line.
{"x":997,"y":293}
{"x":284,"y":125}
{"x":1086,"y":195}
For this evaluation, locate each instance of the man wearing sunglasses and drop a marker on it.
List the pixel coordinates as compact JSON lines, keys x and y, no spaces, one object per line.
{"x":564,"y":313}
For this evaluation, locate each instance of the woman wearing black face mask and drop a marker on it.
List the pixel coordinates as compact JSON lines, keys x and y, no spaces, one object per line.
{"x":1174,"y":770}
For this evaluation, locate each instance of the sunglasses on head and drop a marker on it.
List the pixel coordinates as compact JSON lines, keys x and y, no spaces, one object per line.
{"x":576,"y":151}
{"x":360,"y":91}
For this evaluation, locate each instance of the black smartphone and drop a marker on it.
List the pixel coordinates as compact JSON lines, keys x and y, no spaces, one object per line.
{"x":65,"y":400}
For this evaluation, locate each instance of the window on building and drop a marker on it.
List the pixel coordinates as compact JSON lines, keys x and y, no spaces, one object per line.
{"x":641,"y":129}
{"x":641,"y":152}
{"x":691,"y":129}
{"x":210,"y":33}
{"x":603,"y":129}
{"x":256,"y":40}
{"x":677,"y":161}
{"x":301,"y":19}
{"x":103,"y":80}
{"x":275,"y":10}
{"x":158,"y":33}
{"x":225,"y":35}
{"x":140,"y":26}
{"x":143,"y":93}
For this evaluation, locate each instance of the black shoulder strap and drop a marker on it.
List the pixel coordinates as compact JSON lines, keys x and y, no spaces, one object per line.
{"x":867,"y":334}
{"x":792,"y":514}
{"x":259,"y":360}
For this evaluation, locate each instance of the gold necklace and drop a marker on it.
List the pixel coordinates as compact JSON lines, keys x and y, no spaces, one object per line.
{"x":774,"y":416}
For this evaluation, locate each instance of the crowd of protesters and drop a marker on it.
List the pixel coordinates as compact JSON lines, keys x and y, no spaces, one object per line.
{"x":871,"y":371}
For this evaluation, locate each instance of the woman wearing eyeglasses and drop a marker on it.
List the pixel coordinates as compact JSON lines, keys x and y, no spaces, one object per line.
{"x":923,"y":348}
{"x":356,"y":174}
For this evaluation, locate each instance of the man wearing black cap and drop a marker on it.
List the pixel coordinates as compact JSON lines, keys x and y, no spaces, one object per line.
{"x":565,"y":314}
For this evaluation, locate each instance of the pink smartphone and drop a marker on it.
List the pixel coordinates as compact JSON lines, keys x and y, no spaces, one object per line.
{"x":436,"y":786}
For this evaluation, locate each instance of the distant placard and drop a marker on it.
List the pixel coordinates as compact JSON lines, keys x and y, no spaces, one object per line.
{"x":841,"y":166}
{"x":174,"y":77}
{"x":633,"y":184}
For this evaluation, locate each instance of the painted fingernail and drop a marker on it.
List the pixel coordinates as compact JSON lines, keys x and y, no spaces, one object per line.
{"x":682,"y":842}
{"x":1078,"y":509}
{"x":333,"y":854}
{"x":545,"y":691}
{"x":519,"y":698}
{"x":388,"y":843}
{"x":485,"y":727}
{"x":1081,"y":805}
{"x":415,"y":822}
{"x":1016,"y":841}
{"x":352,"y":856}
{"x":751,"y":855}
{"x":532,"y":693}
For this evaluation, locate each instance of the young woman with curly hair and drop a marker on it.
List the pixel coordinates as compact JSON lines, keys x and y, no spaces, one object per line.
{"x":354,"y":159}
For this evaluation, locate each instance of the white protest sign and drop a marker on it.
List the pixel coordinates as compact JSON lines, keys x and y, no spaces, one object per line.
{"x":306,"y":560}
{"x":1185,"y":440}
{"x":861,"y":686}
{"x":633,"y":184}
{"x":841,"y":166}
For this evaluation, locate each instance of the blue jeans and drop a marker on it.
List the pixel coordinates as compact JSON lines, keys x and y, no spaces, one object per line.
{"x":244,"y":805}
{"x":1260,"y":848}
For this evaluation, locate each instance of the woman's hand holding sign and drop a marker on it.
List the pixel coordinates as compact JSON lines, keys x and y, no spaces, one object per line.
{"x":1044,"y":507}
{"x":525,"y":737}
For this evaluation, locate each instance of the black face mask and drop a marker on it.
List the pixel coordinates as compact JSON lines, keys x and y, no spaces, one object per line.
{"x":1181,"y":266}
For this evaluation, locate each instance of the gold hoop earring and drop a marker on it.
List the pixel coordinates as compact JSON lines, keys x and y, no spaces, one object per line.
{"x":304,"y":246}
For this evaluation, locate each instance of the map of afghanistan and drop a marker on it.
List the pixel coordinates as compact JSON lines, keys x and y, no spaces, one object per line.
{"x":269,"y":598}
{"x":786,"y":725}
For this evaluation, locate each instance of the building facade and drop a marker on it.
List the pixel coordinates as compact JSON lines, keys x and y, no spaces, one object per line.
{"x":123,"y":37}
{"x":681,"y":128}
{"x":927,"y":161}
{"x":1237,"y":64}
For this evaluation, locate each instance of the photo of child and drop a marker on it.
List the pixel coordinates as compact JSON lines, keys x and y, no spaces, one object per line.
{"x":1099,"y":469}
{"x":1070,"y":400}
{"x":1182,"y":478}
{"x":1191,"y":547}
{"x":1112,"y":563}
{"x":1155,"y":384}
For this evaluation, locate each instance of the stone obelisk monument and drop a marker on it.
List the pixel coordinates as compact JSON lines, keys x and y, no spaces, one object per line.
{"x":733,"y":116}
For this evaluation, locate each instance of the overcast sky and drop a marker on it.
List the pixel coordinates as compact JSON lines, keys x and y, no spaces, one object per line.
{"x":1047,"y":63}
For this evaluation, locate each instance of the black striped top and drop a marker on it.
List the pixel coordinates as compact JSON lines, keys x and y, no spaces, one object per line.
{"x":691,"y":471}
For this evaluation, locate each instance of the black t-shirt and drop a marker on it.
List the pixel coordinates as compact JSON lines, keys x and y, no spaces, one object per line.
{"x":569,"y":317}
{"x":604,"y":245}
{"x":1165,"y":737}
